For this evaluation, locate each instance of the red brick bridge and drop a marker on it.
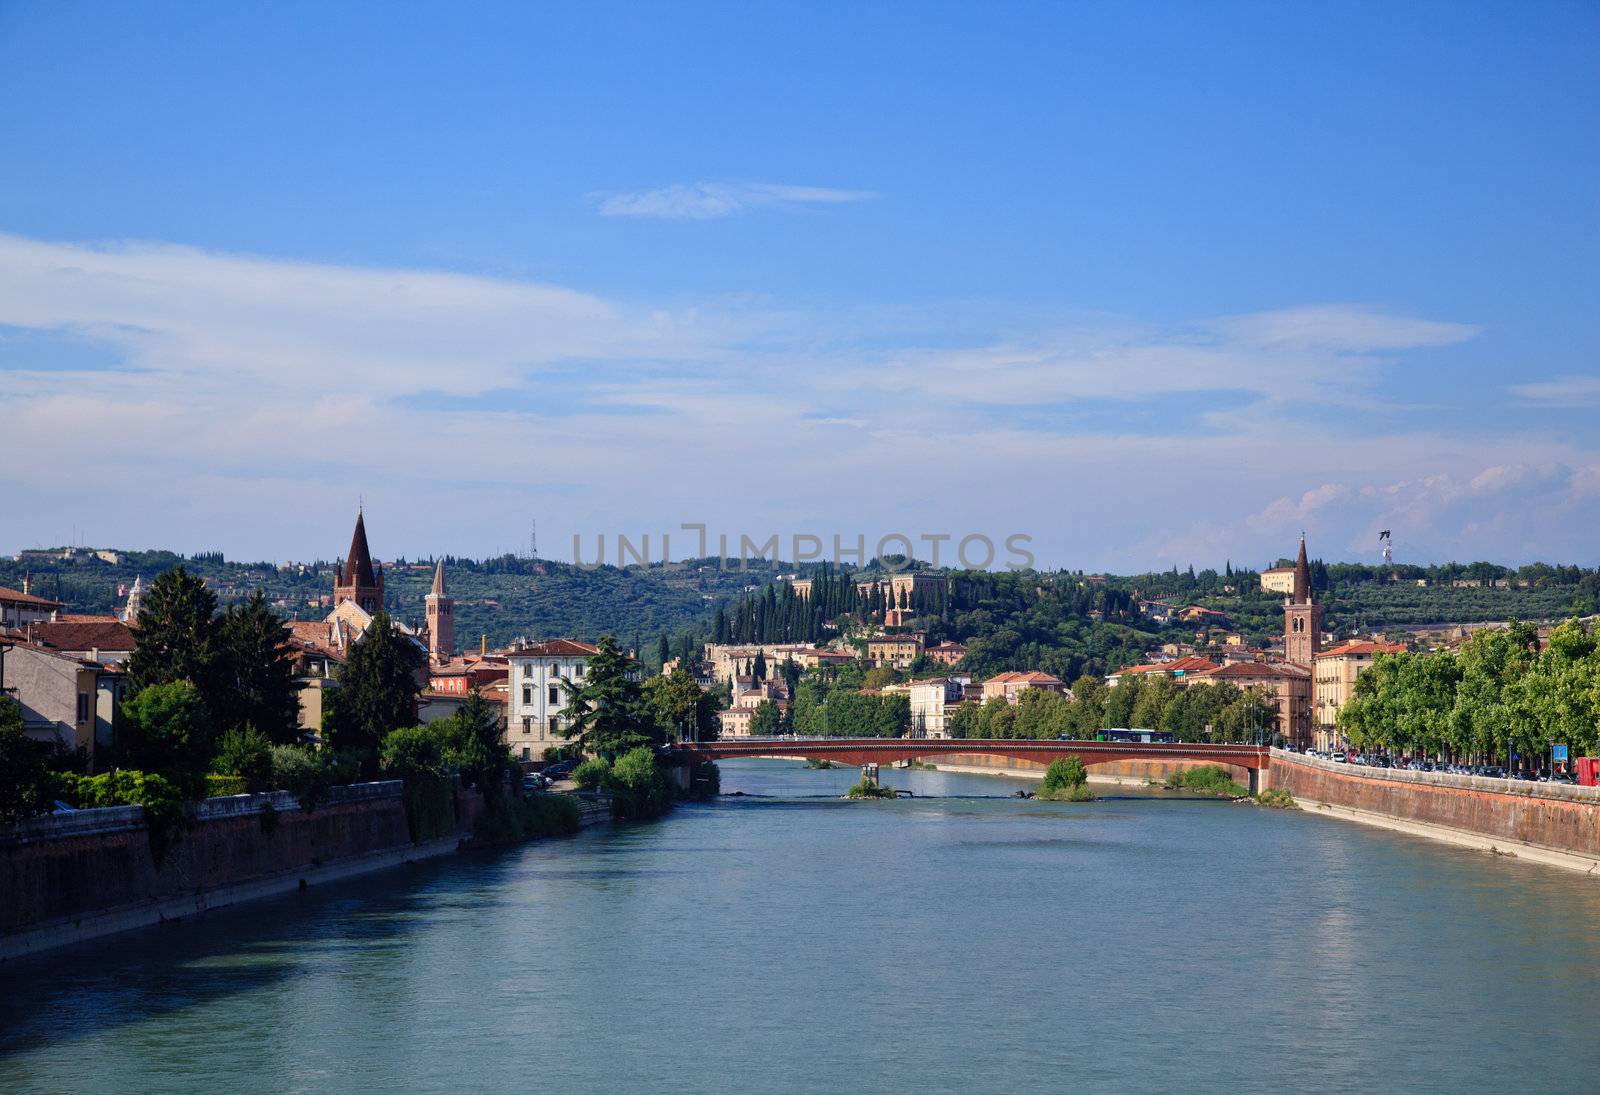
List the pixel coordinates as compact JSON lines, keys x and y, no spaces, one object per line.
{"x":1254,"y":759}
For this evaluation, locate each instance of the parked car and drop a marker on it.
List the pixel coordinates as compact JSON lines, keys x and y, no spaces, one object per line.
{"x":559,"y":770}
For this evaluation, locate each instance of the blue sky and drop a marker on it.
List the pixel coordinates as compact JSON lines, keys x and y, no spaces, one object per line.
{"x":1151,"y":283}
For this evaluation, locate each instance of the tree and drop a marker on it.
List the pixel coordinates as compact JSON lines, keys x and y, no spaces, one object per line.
{"x":24,"y":766}
{"x":246,"y":752}
{"x":377,"y":693}
{"x":1065,"y":772}
{"x":607,"y":714}
{"x":257,"y":684}
{"x":681,"y":708}
{"x":759,"y":670}
{"x":663,"y":650}
{"x":167,"y":729}
{"x":474,"y":744}
{"x":178,"y":637}
{"x":764,"y":721}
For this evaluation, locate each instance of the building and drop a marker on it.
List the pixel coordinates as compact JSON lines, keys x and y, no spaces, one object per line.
{"x":735,"y":721}
{"x":537,"y":695}
{"x":1287,"y":688}
{"x":18,"y":608}
{"x":441,"y":609}
{"x":1008,"y":687}
{"x":1278,"y":580}
{"x":931,"y":702}
{"x":898,"y":651}
{"x":1302,"y":617}
{"x":1336,"y":673}
{"x":68,"y":701}
{"x":730,"y":660}
{"x":104,"y":640}
{"x":946,"y":653}
{"x":1180,"y":669}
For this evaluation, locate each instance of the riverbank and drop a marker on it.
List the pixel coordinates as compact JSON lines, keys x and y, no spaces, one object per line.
{"x":73,"y":877}
{"x":1532,"y":853}
{"x":1552,"y":824}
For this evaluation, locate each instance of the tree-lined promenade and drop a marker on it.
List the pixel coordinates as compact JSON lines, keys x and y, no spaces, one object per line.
{"x":1500,"y":694}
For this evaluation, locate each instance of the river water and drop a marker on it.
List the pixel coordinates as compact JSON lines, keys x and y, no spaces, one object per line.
{"x":958,"y":941}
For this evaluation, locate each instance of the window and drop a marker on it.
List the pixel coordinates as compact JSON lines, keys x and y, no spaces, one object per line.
{"x":527,"y":724}
{"x":555,"y":695}
{"x":527,"y":671}
{"x":83,"y":707}
{"x":525,"y":752}
{"x":527,"y":695}
{"x":555,"y":727}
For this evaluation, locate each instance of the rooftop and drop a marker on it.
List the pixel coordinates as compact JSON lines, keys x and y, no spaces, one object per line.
{"x":555,"y":648}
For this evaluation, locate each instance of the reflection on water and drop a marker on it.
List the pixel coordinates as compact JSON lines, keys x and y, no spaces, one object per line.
{"x":789,"y":940}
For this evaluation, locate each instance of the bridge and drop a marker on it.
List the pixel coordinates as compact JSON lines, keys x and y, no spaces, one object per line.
{"x":1254,"y":759}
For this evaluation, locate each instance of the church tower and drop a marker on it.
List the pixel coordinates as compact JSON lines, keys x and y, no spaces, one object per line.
{"x":441,"y":618}
{"x":358,"y":580}
{"x":1302,"y":617}
{"x":130,"y":614}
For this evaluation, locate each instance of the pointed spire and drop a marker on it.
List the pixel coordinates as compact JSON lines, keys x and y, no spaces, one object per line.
{"x":1302,"y":575}
{"x":358,"y":566}
{"x":439,"y":589}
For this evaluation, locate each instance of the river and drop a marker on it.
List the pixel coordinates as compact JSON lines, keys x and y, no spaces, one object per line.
{"x":959,"y":941}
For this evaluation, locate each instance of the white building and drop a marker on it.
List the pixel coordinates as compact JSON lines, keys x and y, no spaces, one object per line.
{"x":533,"y":722}
{"x":930,"y":702}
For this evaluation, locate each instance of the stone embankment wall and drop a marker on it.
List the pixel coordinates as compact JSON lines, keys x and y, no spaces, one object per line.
{"x":75,"y":876}
{"x":1511,"y":813}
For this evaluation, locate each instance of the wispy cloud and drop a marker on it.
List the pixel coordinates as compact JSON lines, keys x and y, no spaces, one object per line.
{"x":1348,"y":327}
{"x":1564,"y":391}
{"x":708,"y":200}
{"x":249,"y":389}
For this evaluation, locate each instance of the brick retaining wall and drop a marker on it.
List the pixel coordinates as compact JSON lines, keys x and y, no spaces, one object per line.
{"x":1555,"y":816}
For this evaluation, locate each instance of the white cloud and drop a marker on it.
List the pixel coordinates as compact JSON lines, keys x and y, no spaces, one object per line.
{"x":707,"y":200}
{"x":1564,"y":391}
{"x":260,"y":396}
{"x":1343,"y":327}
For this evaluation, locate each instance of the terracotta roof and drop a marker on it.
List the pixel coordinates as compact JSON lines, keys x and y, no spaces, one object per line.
{"x":947,"y":647}
{"x":1031,"y":677}
{"x":1363,"y":647}
{"x":555,"y":648}
{"x":17,"y":597}
{"x":439,"y":589}
{"x":84,"y":635}
{"x":1255,"y":670}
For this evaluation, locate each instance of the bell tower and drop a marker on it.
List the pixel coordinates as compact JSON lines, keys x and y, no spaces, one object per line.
{"x":1302,"y":616}
{"x":441,"y":608}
